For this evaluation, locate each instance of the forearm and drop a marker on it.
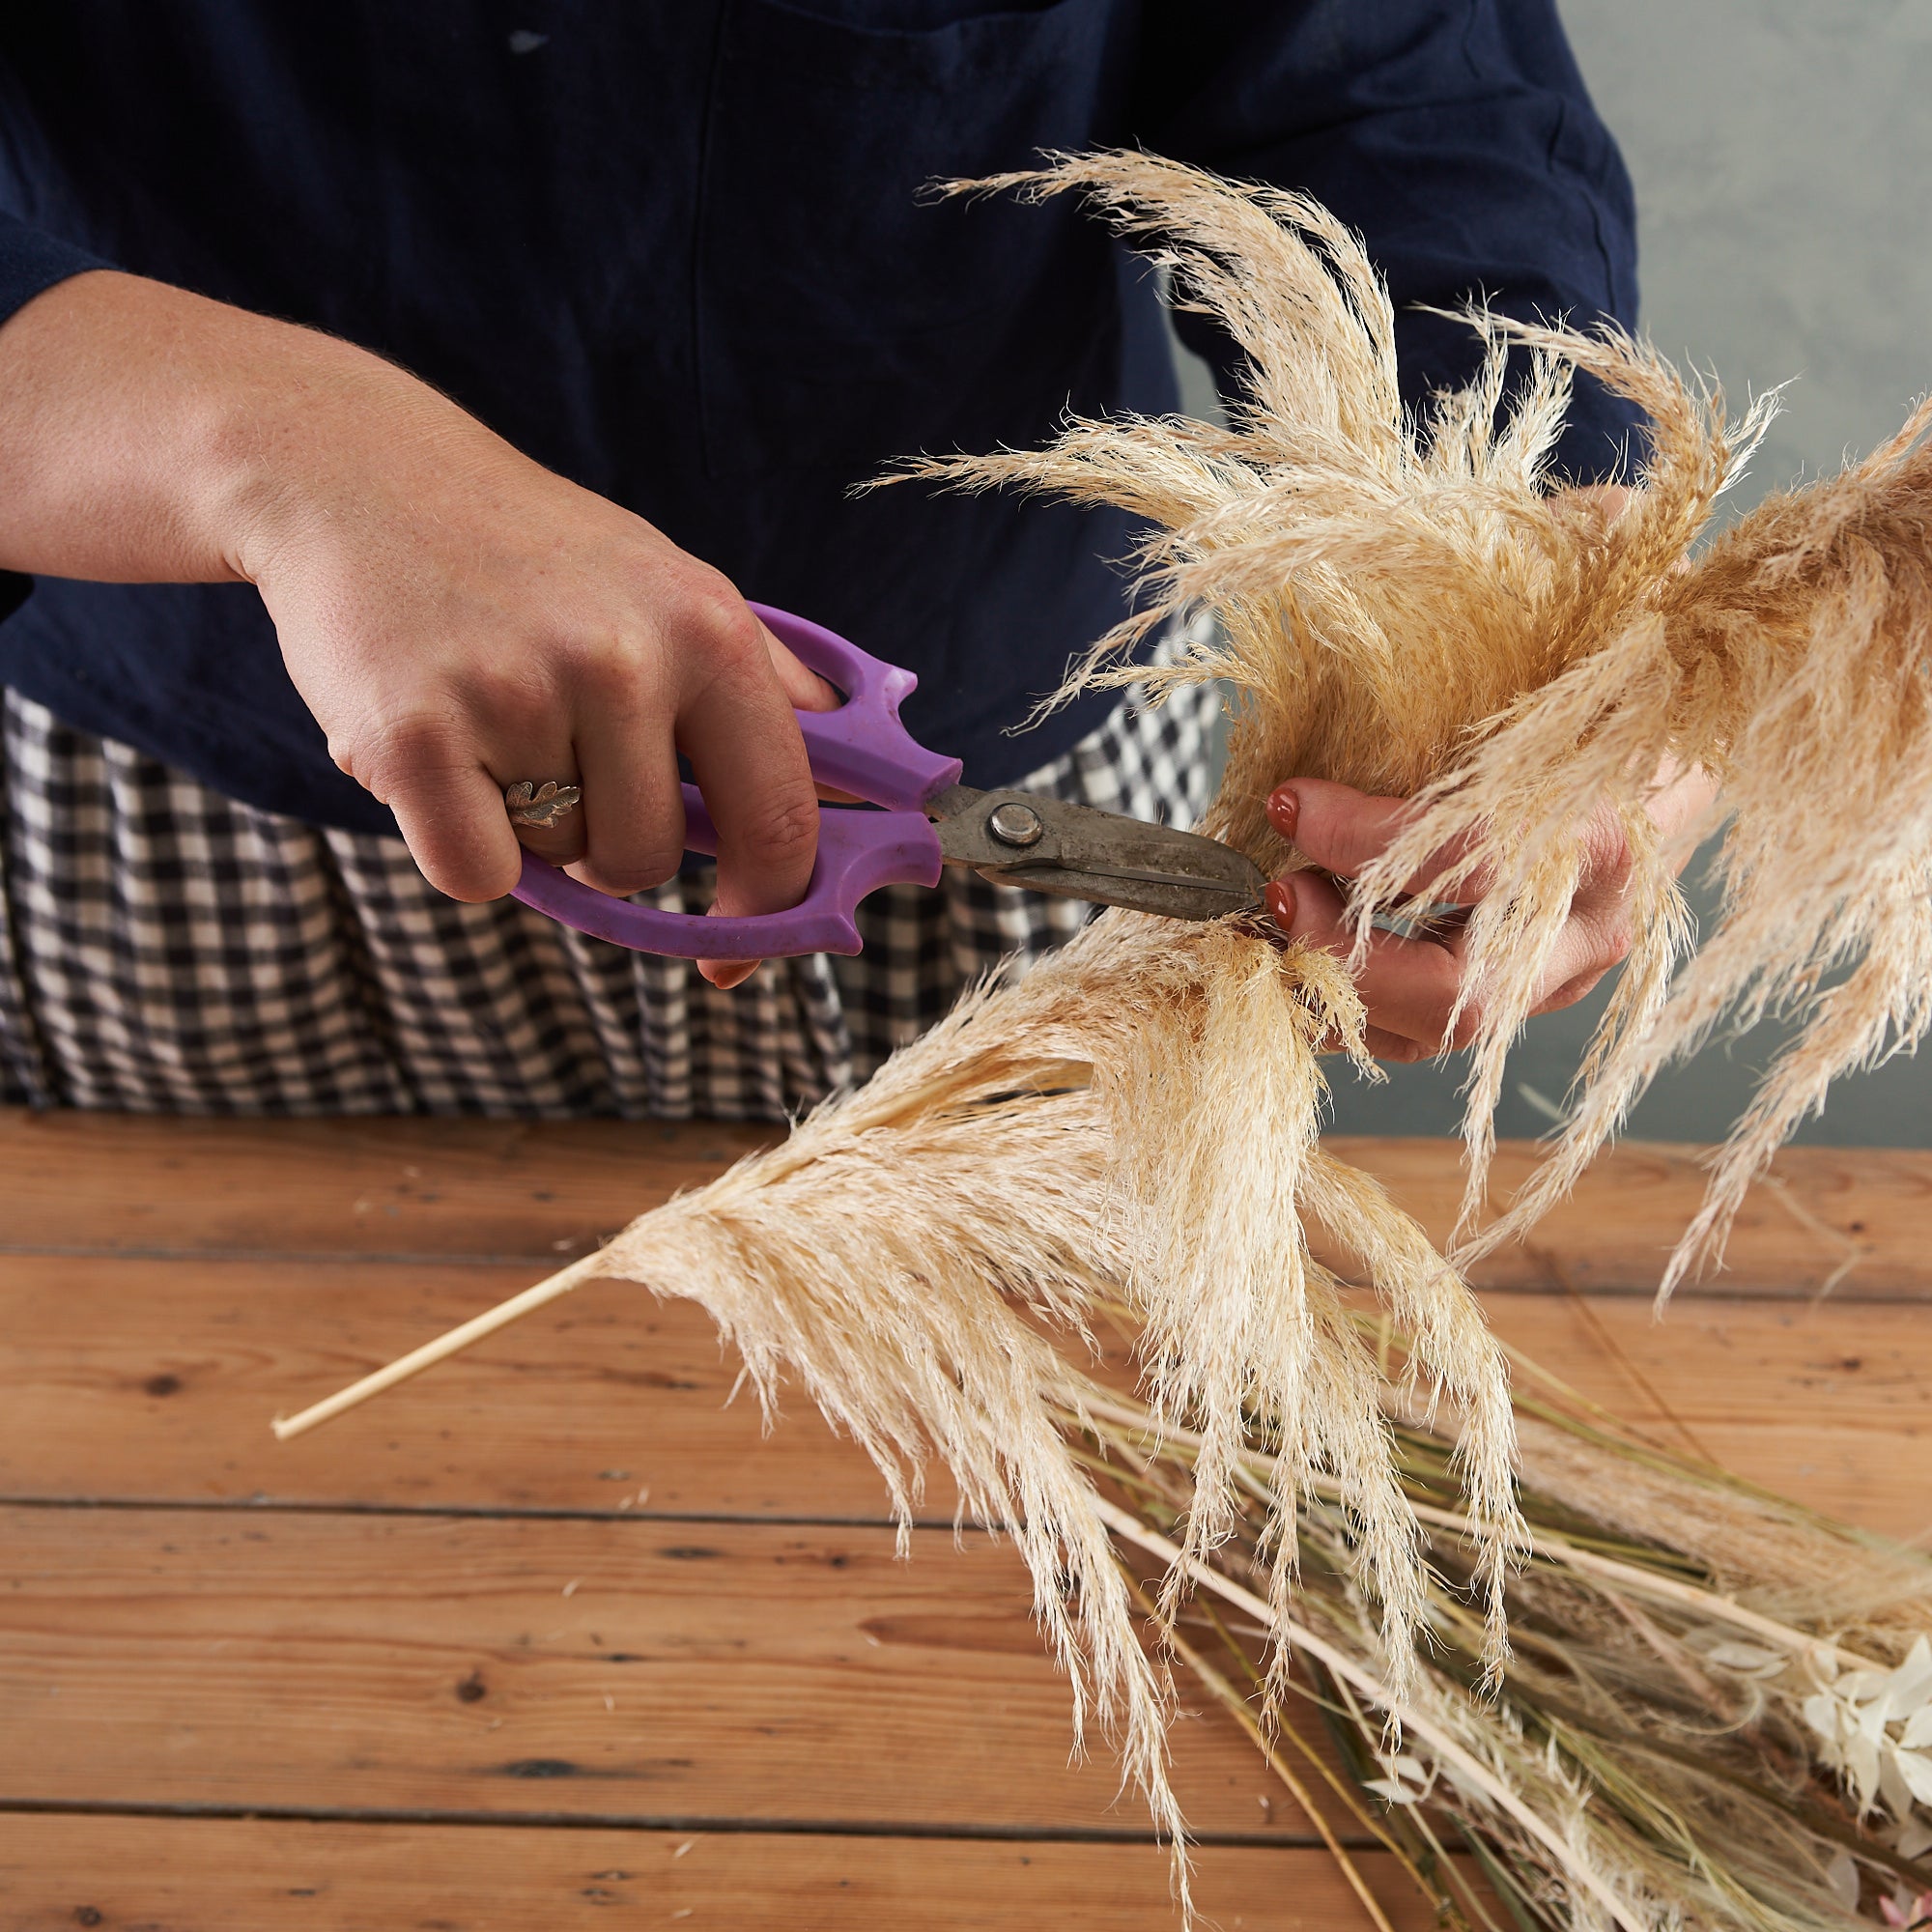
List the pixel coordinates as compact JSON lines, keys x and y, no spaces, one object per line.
{"x":144,"y":430}
{"x":455,"y":615}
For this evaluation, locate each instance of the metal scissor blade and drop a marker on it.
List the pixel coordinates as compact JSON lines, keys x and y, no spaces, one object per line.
{"x":1079,"y":852}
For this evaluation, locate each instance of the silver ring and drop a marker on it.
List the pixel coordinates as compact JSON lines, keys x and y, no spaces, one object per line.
{"x":541,"y":805}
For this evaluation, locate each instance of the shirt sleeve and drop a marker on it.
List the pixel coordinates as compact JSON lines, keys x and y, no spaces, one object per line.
{"x":31,"y":261}
{"x":1457,"y":136}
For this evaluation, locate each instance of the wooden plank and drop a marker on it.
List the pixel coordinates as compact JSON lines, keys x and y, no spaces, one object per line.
{"x":119,"y":1183}
{"x":208,"y":1875}
{"x":154,"y":1380}
{"x":114,"y":1184}
{"x":1862,"y":1216}
{"x":617,"y":1671}
{"x":1829,"y":1405}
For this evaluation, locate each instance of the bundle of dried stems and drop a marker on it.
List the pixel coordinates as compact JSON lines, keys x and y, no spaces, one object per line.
{"x":1135,"y":1122}
{"x":1718,"y":1715}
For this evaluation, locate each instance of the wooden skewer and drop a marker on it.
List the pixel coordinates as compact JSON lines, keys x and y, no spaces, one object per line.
{"x":439,"y":1351}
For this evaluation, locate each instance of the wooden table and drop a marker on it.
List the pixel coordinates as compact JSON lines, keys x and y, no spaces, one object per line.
{"x":556,"y":1637}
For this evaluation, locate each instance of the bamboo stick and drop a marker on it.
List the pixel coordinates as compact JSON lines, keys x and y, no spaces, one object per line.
{"x":451,"y":1343}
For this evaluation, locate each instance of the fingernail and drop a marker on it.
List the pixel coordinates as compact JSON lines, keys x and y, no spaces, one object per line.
{"x":1280,"y":900}
{"x":1284,"y":811}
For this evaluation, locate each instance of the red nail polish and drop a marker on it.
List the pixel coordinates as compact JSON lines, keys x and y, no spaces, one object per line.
{"x":1280,"y":899}
{"x":1284,"y":811}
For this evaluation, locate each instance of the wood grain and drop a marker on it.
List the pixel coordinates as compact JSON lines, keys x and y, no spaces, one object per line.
{"x":543,"y":1669}
{"x":1860,"y":1218}
{"x":125,"y":1183}
{"x":155,"y":1381}
{"x":365,"y":1633}
{"x":537,"y":1192}
{"x":1829,"y":1405}
{"x":209,"y":1875}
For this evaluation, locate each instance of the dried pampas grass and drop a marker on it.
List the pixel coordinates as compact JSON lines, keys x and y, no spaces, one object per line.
{"x":1791,"y":659}
{"x":1407,"y":610}
{"x":1134,"y":1125}
{"x":925,"y":1254}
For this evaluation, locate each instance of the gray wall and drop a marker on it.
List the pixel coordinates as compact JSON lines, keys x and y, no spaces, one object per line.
{"x":1782,"y":156}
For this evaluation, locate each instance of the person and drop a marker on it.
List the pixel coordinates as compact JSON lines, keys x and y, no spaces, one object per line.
{"x":399,"y":402}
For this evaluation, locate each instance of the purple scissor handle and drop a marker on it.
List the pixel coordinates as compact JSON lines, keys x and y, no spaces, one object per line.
{"x":862,"y":749}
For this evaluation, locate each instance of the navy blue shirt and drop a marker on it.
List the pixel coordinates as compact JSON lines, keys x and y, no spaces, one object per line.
{"x":676,"y":250}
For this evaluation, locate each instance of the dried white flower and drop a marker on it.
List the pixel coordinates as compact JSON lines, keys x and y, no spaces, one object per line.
{"x":1873,"y":1725}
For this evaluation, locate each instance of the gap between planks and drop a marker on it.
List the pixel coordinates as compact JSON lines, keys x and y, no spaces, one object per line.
{"x":700,"y":1824}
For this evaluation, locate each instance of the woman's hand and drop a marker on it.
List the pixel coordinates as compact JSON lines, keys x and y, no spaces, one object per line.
{"x":1411,"y":985}
{"x":457,"y":618}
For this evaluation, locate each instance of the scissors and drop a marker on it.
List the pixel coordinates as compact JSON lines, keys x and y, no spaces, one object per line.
{"x":928,"y":820}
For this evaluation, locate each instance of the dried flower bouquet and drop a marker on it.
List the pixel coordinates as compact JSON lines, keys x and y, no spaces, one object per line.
{"x":1717,"y":1713}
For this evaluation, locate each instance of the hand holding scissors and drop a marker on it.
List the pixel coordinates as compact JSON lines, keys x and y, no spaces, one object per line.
{"x":926,"y":820}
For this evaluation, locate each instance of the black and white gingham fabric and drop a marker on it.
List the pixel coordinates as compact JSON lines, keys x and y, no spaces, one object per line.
{"x":163,"y":948}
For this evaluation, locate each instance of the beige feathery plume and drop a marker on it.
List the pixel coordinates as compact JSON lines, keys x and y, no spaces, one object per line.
{"x":1791,"y":659}
{"x":1409,"y":611}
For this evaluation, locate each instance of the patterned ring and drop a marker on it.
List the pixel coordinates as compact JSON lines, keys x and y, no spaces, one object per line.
{"x":541,"y":805}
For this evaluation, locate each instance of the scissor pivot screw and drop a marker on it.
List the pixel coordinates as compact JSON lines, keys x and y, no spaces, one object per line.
{"x":1014,"y":824}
